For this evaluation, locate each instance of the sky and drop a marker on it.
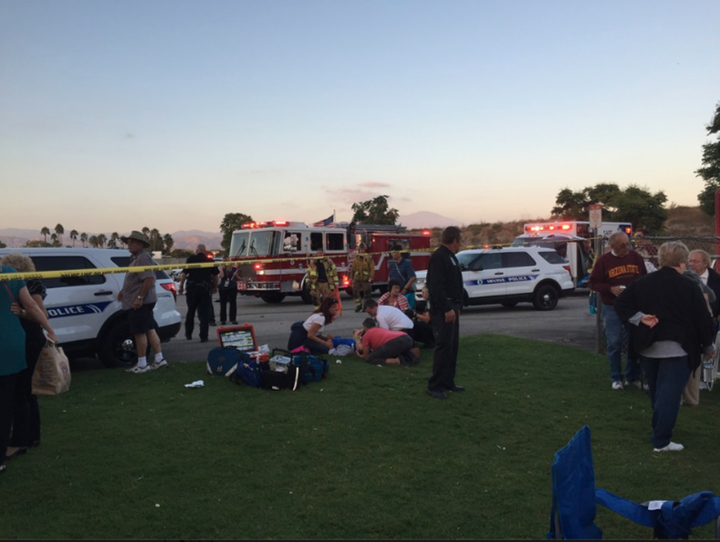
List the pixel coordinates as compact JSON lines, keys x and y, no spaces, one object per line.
{"x":115,"y":115}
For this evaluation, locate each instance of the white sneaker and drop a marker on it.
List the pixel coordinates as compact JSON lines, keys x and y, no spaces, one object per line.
{"x":157,"y":364}
{"x":617,"y":385}
{"x":672,"y":447}
{"x":138,"y":370}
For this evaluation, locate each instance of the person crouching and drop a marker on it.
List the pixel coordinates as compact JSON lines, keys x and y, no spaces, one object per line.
{"x":384,"y":347}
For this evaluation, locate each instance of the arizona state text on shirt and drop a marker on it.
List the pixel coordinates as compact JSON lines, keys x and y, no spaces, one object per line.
{"x":623,"y":270}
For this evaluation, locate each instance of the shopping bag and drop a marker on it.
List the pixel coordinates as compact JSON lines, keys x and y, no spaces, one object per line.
{"x":52,"y":372}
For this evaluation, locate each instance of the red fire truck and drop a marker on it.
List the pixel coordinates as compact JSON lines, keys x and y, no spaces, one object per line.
{"x":272,"y":257}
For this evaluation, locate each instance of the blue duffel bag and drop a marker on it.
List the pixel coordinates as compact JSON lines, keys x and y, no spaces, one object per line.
{"x":316,"y":368}
{"x":223,"y":361}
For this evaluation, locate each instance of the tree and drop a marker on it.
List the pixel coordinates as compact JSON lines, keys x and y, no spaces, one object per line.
{"x":84,"y":239}
{"x":37,"y":243}
{"x":374,"y":211}
{"x":101,"y":240}
{"x":45,"y":231}
{"x":710,"y":172}
{"x":59,"y":230}
{"x":168,"y":241}
{"x":73,"y":236}
{"x":230,"y":223}
{"x":2,"y":245}
{"x":54,"y":240}
{"x":156,"y":242}
{"x":634,"y":204}
{"x":114,"y":238}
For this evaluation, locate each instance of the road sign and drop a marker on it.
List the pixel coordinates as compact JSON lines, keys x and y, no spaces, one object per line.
{"x":596,"y":216}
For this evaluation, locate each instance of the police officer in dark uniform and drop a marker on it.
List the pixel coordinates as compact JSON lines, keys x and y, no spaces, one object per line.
{"x":444,"y":280}
{"x":202,"y":284}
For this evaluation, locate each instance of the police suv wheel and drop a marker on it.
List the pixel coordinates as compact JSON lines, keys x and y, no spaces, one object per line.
{"x":545,"y":298}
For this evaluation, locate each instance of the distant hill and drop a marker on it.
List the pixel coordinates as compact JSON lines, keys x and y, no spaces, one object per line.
{"x":185,"y":239}
{"x":683,"y":221}
{"x":426,"y":219}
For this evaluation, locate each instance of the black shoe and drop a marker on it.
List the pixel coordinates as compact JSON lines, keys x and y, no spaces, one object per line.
{"x":456,"y":388}
{"x":213,"y":323}
{"x":437,"y":394}
{"x":222,"y":323}
{"x":233,"y":322}
{"x":188,"y":338}
{"x":358,"y":309}
{"x":204,"y":340}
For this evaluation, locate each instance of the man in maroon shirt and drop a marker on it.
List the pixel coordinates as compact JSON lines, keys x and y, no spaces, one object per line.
{"x":612,"y":272}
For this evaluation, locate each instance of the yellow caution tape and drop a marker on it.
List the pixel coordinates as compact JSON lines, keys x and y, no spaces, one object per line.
{"x":165,"y":267}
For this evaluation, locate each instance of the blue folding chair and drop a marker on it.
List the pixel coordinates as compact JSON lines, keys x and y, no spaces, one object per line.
{"x":575,"y":500}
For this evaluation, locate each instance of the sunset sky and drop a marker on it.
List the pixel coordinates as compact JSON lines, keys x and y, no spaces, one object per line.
{"x":171,"y":113}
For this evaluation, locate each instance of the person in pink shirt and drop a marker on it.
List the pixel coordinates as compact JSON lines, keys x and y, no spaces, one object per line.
{"x":385,"y":347}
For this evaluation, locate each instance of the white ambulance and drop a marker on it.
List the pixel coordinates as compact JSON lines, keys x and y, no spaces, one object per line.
{"x":574,"y":240}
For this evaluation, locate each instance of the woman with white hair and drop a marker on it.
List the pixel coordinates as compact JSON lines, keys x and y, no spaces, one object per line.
{"x":670,"y":327}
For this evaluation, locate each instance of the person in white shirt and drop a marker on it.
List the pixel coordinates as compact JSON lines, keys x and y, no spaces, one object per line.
{"x":388,"y":317}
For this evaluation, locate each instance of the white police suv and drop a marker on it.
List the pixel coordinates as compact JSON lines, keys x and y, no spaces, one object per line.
{"x":84,"y":310}
{"x":511,"y":275}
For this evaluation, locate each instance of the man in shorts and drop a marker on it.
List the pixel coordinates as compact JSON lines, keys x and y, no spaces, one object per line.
{"x":138,"y":299}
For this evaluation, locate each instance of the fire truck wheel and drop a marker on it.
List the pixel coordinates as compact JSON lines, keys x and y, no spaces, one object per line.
{"x":305,"y":295}
{"x":272,"y":297}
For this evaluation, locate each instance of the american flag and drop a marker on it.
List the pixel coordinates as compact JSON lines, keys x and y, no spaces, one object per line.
{"x":327,"y":222}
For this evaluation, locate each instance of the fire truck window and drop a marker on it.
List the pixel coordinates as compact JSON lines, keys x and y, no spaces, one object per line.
{"x":335,"y":241}
{"x":291,"y":243}
{"x":316,"y":241}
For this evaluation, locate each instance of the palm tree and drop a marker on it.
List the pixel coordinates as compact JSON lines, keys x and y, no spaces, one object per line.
{"x":146,"y":231}
{"x":54,"y":239}
{"x":93,"y":241}
{"x":156,"y":242}
{"x":101,"y":239}
{"x":73,"y":236}
{"x":59,"y":230}
{"x":45,"y":231}
{"x":84,"y":238}
{"x":169,"y":242}
{"x":114,"y":238}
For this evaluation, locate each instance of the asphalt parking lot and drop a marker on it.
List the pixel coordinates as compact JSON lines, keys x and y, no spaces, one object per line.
{"x":569,"y":323}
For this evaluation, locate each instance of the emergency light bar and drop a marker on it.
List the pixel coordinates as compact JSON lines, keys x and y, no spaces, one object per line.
{"x":268,"y":224}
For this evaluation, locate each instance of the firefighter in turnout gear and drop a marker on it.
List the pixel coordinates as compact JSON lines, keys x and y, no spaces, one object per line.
{"x":322,"y":277}
{"x":361,"y":273}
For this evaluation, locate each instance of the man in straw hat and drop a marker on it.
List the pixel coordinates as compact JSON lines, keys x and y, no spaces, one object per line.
{"x":138,"y":298}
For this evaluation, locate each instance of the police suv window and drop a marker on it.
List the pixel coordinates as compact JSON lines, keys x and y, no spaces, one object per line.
{"x":488,"y":261}
{"x":517,"y":259}
{"x":335,"y":241}
{"x":553,"y":257}
{"x":63,"y":263}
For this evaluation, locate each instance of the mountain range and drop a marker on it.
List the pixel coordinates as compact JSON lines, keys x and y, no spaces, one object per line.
{"x":189,"y":239}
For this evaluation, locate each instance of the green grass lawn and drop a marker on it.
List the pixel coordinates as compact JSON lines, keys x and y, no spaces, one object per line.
{"x":364,"y":454}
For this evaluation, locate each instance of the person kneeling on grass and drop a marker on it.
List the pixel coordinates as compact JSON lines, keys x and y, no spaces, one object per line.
{"x":385,"y":347}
